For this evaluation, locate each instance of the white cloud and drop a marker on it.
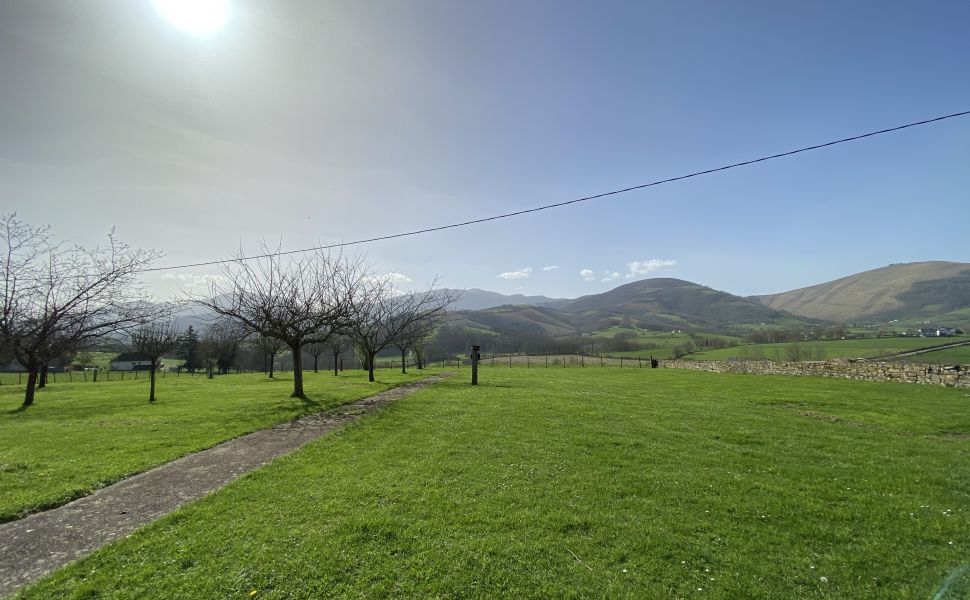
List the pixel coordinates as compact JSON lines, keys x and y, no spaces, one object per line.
{"x":398,"y":278}
{"x":522,"y":273}
{"x":550,"y":267}
{"x":645,"y":267}
{"x":588,"y":274}
{"x":195,"y":280}
{"x":610,"y":276}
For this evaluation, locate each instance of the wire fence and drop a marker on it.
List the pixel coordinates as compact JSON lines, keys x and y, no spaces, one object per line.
{"x":496,"y":361}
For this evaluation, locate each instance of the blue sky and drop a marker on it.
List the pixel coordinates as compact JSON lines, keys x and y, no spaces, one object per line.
{"x":323,"y":121}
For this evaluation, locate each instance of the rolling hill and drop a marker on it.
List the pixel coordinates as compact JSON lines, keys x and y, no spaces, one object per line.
{"x":937,"y":291}
{"x":671,"y":303}
{"x":657,"y":304}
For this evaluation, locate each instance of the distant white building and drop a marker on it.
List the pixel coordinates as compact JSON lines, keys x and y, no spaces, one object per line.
{"x":132,"y":361}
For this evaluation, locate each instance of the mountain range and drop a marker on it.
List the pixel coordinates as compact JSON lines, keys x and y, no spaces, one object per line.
{"x":903,"y":294}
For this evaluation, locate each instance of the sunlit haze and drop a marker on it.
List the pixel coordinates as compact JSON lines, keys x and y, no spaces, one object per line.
{"x":194,"y":16}
{"x":199,"y":127}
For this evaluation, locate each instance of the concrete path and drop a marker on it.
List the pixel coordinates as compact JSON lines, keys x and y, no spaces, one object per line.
{"x":37,"y":544}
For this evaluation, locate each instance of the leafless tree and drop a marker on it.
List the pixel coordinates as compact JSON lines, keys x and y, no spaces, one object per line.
{"x":315,"y":350}
{"x":383,"y":317}
{"x":153,"y":340}
{"x":299,"y":300}
{"x":219,"y":345}
{"x":55,"y":299}
{"x":336,"y":345}
{"x":270,"y":348}
{"x":414,"y":337}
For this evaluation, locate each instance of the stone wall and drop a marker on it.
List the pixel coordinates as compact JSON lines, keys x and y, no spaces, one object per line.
{"x":901,"y":372}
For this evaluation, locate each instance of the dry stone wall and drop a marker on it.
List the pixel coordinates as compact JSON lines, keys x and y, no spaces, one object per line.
{"x":901,"y":372}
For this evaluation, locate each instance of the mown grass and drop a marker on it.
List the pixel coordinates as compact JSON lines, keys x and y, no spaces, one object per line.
{"x":859,"y":348}
{"x":585,"y":483}
{"x":79,"y":437}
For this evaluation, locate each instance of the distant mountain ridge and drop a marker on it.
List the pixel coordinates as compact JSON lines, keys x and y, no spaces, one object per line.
{"x":935,"y":290}
{"x":658,"y":304}
{"x":478,"y":299}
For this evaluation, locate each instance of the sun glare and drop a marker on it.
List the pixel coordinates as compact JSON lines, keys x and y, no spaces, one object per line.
{"x":194,"y":16}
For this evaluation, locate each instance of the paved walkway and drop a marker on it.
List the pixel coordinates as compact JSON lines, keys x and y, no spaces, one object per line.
{"x":37,"y":544}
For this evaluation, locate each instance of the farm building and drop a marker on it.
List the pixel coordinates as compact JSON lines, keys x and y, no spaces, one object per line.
{"x":132,"y":361}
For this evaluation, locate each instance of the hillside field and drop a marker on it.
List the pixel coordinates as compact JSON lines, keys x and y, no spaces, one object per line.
{"x":948,"y":356}
{"x":858,"y":348}
{"x":583,"y":483}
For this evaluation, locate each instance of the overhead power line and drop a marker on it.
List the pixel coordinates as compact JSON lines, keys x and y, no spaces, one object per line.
{"x":564,"y":203}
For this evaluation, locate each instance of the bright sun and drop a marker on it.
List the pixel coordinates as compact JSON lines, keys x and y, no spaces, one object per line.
{"x":194,"y":16}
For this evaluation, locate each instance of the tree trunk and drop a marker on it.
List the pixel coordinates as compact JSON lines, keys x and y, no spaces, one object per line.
{"x":210,"y":371}
{"x":315,"y":357}
{"x":151,"y":386}
{"x":31,"y":387}
{"x":404,"y":362}
{"x":43,"y":377}
{"x":335,"y":356}
{"x":297,"y":371}
{"x":272,"y":363}
{"x":370,"y":366}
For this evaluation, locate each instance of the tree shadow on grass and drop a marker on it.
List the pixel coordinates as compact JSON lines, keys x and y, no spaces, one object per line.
{"x":309,"y":404}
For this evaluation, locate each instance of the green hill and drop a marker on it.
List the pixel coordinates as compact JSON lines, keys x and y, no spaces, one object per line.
{"x":671,"y":304}
{"x":937,"y":291}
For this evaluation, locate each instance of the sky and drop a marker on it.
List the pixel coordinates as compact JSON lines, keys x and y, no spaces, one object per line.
{"x":306,"y":123}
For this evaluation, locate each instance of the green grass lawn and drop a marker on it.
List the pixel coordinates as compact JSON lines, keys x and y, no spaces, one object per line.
{"x":585,"y":483}
{"x":860,"y":348}
{"x":79,"y":437}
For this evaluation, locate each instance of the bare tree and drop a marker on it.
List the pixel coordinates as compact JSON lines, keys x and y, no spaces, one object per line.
{"x":56,"y":299}
{"x":415,"y":335}
{"x":315,"y":350}
{"x":219,"y":345}
{"x":299,"y":301}
{"x":336,"y":345}
{"x":153,"y":340}
{"x":270,"y":348}
{"x":383,"y":317}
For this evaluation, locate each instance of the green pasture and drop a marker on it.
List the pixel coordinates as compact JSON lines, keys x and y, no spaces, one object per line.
{"x":81,"y":436}
{"x":949,"y":356}
{"x":857,"y":348}
{"x":583,"y":483}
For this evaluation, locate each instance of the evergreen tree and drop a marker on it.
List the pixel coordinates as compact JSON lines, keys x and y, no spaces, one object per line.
{"x":188,"y":349}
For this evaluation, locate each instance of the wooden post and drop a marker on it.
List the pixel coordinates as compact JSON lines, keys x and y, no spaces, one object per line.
{"x":639,"y":362}
{"x":475,"y":356}
{"x":510,"y":361}
{"x":601,"y":360}
{"x":621,"y":361}
{"x":70,"y":377}
{"x":547,"y":361}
